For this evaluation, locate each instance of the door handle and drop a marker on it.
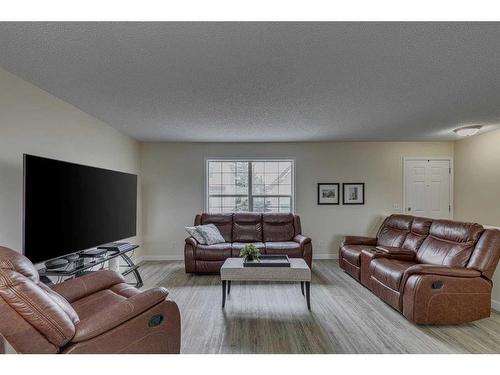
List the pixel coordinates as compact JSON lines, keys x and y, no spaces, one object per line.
{"x":409,"y":208}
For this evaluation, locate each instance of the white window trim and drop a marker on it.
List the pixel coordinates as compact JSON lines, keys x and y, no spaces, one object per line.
{"x":249,"y":159}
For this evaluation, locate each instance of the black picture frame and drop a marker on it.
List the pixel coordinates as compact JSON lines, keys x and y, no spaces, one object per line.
{"x":346,"y":184}
{"x":319,"y":193}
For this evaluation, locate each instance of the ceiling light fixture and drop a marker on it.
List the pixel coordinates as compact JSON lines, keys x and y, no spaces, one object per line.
{"x":467,"y":131}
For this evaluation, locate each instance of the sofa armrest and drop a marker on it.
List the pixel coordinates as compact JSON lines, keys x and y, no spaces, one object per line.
{"x":189,"y":250}
{"x":430,"y":269}
{"x":359,"y":240}
{"x":302,"y":240}
{"x":85,"y":285}
{"x":394,"y":250}
{"x":117,"y":314}
{"x":393,"y":253}
{"x":306,"y":248}
{"x":436,"y":298}
{"x":191,"y":241}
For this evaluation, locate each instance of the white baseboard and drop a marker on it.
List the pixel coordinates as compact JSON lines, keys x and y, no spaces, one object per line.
{"x":495,"y":305}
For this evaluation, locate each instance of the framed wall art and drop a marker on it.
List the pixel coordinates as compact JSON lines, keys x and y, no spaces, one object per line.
{"x":328,"y":193}
{"x":353,"y":193}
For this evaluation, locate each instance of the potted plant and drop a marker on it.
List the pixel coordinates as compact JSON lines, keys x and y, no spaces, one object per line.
{"x":250,"y":252}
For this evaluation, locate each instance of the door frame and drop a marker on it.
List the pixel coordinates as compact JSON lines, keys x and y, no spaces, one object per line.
{"x":452,"y":178}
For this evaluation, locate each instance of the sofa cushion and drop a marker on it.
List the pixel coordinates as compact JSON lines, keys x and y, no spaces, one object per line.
{"x":247,"y":227}
{"x":193,"y":232}
{"x":224,"y":222}
{"x":278,"y":227}
{"x":450,"y":243}
{"x":219,"y":251}
{"x":210,"y":234}
{"x":87,"y":306}
{"x":394,"y":230}
{"x":290,"y":248}
{"x":418,"y":232}
{"x":239,"y":245}
{"x":352,"y":253}
{"x":15,"y":261}
{"x":389,"y":271}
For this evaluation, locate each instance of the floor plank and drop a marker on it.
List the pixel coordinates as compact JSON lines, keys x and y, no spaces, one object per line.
{"x":273,"y":318}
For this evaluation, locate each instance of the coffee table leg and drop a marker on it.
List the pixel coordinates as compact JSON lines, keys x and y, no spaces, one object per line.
{"x":223,"y":293}
{"x":228,"y":287}
{"x":308,"y":294}
{"x":302,"y":287}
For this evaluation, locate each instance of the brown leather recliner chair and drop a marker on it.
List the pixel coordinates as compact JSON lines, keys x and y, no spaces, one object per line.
{"x":271,"y":233}
{"x":96,"y":313}
{"x":433,"y":271}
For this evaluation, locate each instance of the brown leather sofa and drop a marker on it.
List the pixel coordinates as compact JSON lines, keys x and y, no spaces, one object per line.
{"x":93,"y":314}
{"x":271,"y":233}
{"x":432,"y":271}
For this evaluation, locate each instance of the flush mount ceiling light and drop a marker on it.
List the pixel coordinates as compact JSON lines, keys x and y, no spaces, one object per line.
{"x":467,"y":130}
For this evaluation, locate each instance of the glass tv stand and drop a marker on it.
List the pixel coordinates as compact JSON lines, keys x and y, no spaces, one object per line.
{"x":84,"y":264}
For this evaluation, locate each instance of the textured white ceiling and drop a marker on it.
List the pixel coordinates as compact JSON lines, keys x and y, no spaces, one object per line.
{"x":266,"y":81}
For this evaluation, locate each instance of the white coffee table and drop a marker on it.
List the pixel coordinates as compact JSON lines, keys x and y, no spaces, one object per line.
{"x":233,"y":270}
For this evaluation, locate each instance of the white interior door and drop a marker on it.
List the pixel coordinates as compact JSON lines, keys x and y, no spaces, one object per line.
{"x":427,"y":188}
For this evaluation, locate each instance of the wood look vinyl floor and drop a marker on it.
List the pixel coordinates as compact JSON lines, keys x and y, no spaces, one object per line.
{"x":273,"y":318}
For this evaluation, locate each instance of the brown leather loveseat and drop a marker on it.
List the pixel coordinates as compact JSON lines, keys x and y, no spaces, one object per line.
{"x":271,"y":233}
{"x":432,"y":271}
{"x":93,"y":314}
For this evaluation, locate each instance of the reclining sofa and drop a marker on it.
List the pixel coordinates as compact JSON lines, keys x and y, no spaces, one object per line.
{"x":97,"y":313}
{"x":432,"y":271}
{"x":271,"y":233}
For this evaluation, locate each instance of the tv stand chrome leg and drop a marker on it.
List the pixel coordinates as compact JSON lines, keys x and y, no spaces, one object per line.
{"x":136,"y":273}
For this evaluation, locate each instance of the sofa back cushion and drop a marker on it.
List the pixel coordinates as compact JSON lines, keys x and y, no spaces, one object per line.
{"x":15,"y":261}
{"x":247,"y":227}
{"x":419,"y":230}
{"x":394,"y":230}
{"x":297,"y":224}
{"x":486,"y":254}
{"x":449,"y":243}
{"x":224,"y":222}
{"x":45,"y":310}
{"x":278,"y":227}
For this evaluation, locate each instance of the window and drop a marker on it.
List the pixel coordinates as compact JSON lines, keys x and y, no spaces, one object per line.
{"x":250,"y":185}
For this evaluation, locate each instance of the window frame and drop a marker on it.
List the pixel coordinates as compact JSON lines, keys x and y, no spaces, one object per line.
{"x":250,"y":195}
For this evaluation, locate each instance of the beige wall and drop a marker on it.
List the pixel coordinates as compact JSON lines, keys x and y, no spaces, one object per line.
{"x":477,"y":185}
{"x":173,"y":186}
{"x":477,"y":179}
{"x":35,"y":122}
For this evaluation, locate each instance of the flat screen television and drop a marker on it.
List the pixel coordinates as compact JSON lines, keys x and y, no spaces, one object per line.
{"x":70,"y":207}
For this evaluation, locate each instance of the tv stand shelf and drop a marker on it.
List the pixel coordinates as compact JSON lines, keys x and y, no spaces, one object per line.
{"x":83,"y":264}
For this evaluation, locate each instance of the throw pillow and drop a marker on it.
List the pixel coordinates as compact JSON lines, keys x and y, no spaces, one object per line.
{"x":193,"y":232}
{"x":211,"y":234}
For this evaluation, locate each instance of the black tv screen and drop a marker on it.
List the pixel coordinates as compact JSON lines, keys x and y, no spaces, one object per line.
{"x":70,"y":207}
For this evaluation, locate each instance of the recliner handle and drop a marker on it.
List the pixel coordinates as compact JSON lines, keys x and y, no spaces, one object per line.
{"x":437,"y":284}
{"x":156,"y":320}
